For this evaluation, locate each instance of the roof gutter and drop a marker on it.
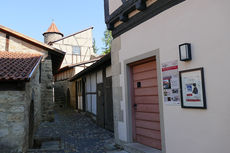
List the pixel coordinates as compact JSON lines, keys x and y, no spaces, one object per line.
{"x":34,"y":68}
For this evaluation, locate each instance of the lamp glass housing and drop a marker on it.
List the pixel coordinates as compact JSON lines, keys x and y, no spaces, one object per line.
{"x":185,"y":52}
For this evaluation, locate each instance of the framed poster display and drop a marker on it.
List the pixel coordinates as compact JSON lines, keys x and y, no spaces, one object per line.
{"x":193,"y":88}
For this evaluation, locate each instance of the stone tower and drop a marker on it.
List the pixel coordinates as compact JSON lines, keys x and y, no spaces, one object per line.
{"x":52,"y":34}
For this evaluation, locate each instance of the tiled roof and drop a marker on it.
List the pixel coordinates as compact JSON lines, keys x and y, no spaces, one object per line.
{"x":53,"y":28}
{"x":57,"y":55}
{"x":17,"y":66}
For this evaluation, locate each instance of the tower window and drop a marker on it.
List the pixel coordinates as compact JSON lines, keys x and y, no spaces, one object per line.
{"x":76,"y":50}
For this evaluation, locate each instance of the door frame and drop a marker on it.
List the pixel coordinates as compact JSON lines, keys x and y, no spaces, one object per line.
{"x":76,"y":92}
{"x":83,"y":94}
{"x":128,"y":94}
{"x":68,"y":98}
{"x":31,"y":123}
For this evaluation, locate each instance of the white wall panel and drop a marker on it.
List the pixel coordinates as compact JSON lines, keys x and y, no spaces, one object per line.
{"x":88,"y":83}
{"x":93,"y":82}
{"x":80,"y":105}
{"x":89,"y":103}
{"x":94,"y":104}
{"x":99,"y":77}
{"x":108,"y":71}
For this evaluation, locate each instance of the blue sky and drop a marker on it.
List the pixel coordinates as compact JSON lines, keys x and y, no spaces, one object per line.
{"x":33,"y":17}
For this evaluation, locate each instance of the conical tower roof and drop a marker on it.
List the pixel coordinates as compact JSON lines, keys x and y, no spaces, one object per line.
{"x":53,"y":29}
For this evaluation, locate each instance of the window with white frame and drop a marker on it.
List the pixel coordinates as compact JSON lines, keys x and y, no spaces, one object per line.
{"x":76,"y":50}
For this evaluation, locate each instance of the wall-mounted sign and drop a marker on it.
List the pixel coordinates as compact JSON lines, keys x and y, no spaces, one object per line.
{"x":171,"y":83}
{"x":192,"y":88}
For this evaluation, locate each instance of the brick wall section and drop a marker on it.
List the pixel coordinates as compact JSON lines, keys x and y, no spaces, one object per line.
{"x":47,"y":91}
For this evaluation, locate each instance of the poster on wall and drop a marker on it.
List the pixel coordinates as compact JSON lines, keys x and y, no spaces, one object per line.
{"x":171,"y":83}
{"x":192,"y":88}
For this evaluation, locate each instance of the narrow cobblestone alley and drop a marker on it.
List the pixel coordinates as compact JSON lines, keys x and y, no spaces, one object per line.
{"x":78,"y":133}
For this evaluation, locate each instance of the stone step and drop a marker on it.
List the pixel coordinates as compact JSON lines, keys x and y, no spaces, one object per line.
{"x":117,"y":151}
{"x":59,"y":99}
{"x":139,"y":148}
{"x":113,"y":148}
{"x":56,"y":97}
{"x":59,"y":93}
{"x":44,"y":151}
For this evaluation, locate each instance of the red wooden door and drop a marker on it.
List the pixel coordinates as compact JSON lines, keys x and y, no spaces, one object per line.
{"x":146,"y":117}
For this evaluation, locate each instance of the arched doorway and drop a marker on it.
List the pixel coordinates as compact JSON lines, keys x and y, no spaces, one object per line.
{"x":68,"y":98}
{"x":31,"y":124}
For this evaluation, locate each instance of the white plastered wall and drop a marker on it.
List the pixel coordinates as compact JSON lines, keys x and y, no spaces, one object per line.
{"x":205,"y":24}
{"x":115,"y":5}
{"x":91,"y":88}
{"x":83,"y":40}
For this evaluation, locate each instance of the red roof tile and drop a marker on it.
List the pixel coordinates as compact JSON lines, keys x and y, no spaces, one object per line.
{"x":16,"y":65}
{"x":53,"y":28}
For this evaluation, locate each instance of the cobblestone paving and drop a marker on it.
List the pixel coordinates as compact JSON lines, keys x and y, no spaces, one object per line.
{"x":77,"y":132}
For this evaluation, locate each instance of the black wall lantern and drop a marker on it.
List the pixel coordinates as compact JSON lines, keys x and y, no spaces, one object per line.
{"x":185,"y":52}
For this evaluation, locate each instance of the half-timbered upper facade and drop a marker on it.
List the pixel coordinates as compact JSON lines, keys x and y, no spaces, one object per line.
{"x":123,"y":15}
{"x":153,"y":110}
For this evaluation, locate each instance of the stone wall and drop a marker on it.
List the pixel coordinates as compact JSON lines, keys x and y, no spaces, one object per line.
{"x":33,"y":92}
{"x":18,"y":45}
{"x":47,"y":91}
{"x":14,"y":116}
{"x":49,"y":37}
{"x":118,"y":113}
{"x":60,"y":92}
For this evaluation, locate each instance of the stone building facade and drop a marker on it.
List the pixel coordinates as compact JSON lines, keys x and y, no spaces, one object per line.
{"x":79,"y":55}
{"x":13,"y":41}
{"x":17,"y":95}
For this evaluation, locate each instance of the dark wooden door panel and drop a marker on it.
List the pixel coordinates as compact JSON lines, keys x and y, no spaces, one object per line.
{"x":109,"y":105}
{"x":100,"y":106}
